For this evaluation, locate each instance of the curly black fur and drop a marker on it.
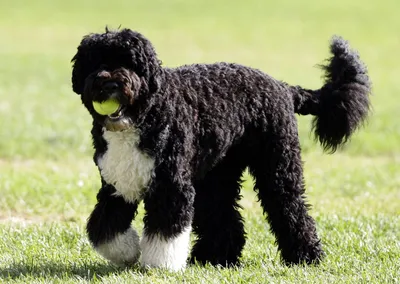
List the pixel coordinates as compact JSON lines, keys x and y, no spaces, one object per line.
{"x":203,"y":124}
{"x":344,"y":103}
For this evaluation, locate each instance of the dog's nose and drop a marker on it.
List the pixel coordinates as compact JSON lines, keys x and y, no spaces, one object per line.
{"x":110,"y":86}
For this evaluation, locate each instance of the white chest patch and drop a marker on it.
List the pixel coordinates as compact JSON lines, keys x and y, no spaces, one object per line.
{"x":124,"y":166}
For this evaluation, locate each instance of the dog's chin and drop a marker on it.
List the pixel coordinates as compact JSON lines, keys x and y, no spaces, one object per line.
{"x":117,"y":122}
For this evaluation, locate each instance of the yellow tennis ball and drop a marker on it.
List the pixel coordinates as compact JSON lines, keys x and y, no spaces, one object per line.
{"x":107,"y":107}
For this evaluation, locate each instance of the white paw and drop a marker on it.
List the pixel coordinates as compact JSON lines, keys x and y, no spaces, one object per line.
{"x":171,"y":253}
{"x":123,"y":250}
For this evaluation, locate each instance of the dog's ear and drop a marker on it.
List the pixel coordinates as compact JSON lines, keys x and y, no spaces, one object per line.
{"x":78,"y":68}
{"x":144,"y":60}
{"x":77,"y":85}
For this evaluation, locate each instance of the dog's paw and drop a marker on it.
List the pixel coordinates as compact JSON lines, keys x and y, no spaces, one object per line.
{"x":123,"y":250}
{"x":159,"y":252}
{"x":312,"y":254}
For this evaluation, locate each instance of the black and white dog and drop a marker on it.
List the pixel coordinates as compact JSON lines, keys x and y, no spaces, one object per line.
{"x":182,"y":138}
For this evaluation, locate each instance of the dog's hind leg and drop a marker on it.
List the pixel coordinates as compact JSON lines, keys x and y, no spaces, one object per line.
{"x":217,"y":220}
{"x":277,"y":168}
{"x":109,"y":228}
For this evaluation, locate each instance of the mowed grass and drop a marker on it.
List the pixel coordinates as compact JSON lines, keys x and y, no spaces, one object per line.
{"x":48,"y":181}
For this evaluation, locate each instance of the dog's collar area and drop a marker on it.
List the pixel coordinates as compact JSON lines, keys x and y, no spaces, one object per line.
{"x":118,"y":122}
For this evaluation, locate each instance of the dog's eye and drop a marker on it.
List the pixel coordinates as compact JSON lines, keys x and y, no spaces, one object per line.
{"x":124,"y":80}
{"x":97,"y":80}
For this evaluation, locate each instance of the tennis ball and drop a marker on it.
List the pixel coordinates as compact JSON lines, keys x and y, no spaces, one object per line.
{"x":107,"y":107}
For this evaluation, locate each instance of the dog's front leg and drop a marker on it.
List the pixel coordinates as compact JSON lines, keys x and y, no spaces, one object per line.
{"x":167,"y":223}
{"x":109,"y":228}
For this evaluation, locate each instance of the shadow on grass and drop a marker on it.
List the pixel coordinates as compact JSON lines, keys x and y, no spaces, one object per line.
{"x":60,"y":270}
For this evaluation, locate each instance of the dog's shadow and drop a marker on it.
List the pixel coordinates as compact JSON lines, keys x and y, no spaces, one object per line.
{"x":59,"y":270}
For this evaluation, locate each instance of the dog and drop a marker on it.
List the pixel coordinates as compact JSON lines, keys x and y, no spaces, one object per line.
{"x":182,"y":138}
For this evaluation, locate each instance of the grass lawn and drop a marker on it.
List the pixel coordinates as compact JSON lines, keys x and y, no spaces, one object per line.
{"x":48,"y":181}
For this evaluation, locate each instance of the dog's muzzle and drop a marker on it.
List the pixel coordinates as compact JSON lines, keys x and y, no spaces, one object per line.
{"x":117,"y":121}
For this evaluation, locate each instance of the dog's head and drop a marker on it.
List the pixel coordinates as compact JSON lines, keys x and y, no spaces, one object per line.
{"x":122,"y":65}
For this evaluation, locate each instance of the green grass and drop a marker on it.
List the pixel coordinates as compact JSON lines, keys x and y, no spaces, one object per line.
{"x":48,"y":181}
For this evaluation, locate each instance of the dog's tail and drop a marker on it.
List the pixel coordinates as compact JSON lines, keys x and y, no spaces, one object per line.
{"x":342,"y":104}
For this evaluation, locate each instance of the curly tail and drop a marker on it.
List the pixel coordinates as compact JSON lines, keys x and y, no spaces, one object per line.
{"x":342,"y":104}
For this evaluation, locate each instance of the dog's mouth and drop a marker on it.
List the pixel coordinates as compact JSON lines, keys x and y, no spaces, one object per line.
{"x":118,"y":121}
{"x":117,"y":114}
{"x":111,"y":98}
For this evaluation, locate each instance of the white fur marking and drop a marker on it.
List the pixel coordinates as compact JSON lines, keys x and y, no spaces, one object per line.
{"x":124,"y":166}
{"x":123,"y":250}
{"x":170,"y":254}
